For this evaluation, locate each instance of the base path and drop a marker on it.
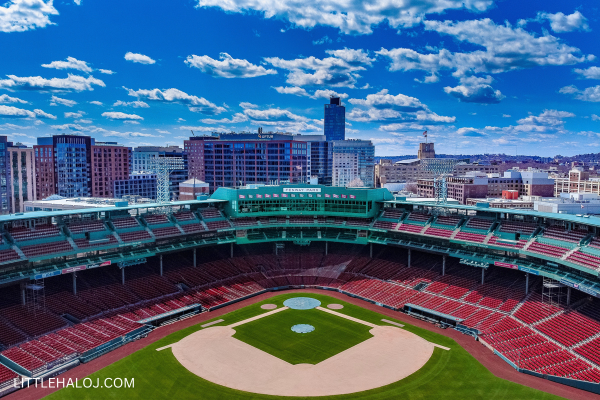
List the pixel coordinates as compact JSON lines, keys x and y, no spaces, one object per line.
{"x":389,"y":356}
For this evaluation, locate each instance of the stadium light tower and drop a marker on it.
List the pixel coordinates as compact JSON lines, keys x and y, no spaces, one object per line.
{"x":162,"y":167}
{"x":440,"y":167}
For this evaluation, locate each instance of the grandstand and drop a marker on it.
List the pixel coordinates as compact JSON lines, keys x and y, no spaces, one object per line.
{"x":523,"y":283}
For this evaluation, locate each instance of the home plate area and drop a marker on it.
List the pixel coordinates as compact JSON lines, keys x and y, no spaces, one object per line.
{"x":340,"y":355}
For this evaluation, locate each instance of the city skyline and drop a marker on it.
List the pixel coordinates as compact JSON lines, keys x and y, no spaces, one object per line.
{"x":486,"y":76}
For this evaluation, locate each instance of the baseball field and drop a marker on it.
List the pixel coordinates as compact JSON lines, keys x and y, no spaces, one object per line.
{"x":347,"y":348}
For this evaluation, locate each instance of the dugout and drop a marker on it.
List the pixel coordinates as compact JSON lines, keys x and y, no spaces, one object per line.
{"x":431,"y":315}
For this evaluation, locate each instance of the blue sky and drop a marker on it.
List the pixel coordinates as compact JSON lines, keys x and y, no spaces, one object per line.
{"x":478,"y":75}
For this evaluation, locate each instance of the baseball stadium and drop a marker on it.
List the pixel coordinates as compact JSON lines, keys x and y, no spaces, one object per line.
{"x":299,"y":291}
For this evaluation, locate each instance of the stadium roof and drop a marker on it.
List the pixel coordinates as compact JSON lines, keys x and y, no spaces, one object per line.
{"x":45,"y":214}
{"x":577,"y":219}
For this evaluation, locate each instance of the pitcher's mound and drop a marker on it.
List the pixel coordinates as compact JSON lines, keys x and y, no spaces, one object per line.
{"x":389,"y":356}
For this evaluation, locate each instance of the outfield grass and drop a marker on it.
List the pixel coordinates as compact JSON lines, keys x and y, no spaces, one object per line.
{"x":453,"y":374}
{"x":331,"y":336}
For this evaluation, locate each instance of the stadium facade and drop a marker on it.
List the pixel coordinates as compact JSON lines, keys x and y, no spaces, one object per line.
{"x":526,"y":284}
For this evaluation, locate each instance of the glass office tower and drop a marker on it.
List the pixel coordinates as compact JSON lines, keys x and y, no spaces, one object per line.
{"x":335,"y":120}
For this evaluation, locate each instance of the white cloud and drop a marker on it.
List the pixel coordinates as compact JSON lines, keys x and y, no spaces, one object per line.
{"x":228,"y":67}
{"x":475,"y":90}
{"x":96,"y":102}
{"x":245,"y":104}
{"x":130,"y":122}
{"x":23,"y":15}
{"x":325,"y":39}
{"x":7,"y":99}
{"x":77,"y":114}
{"x":72,"y":83}
{"x":194,"y":103}
{"x":71,"y":63}
{"x":283,"y":120}
{"x":121,"y":116}
{"x":6,"y":127}
{"x":317,"y":94}
{"x":129,"y":134}
{"x":504,"y":48}
{"x":134,"y":104}
{"x":163,"y":131}
{"x":106,"y":71}
{"x":70,"y":127}
{"x":595,"y":117}
{"x":84,"y":121}
{"x":384,"y":107}
{"x":353,"y":17}
{"x":237,"y":117}
{"x":506,"y":116}
{"x":14,"y":112}
{"x":471,"y":132}
{"x":589,"y":73}
{"x":591,"y":94}
{"x":180,"y":120}
{"x":139,"y":58}
{"x":54,"y":101}
{"x":560,"y":22}
{"x":341,"y":70}
{"x":201,"y":129}
{"x":44,"y":115}
{"x":547,"y":118}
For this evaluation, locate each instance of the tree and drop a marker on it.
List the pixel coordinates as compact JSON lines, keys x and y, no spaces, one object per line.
{"x":411,"y":187}
{"x":356,"y":182}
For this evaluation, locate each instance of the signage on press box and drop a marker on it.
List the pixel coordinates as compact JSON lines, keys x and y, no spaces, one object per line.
{"x":302,"y":190}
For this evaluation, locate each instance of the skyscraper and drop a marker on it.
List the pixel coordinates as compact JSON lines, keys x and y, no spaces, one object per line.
{"x":21,"y":169}
{"x":232,"y":159}
{"x":335,"y":120}
{"x":352,"y":159}
{"x":78,"y":166}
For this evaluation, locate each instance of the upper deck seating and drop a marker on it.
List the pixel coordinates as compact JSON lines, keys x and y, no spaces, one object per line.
{"x":470,"y":237}
{"x":390,"y":226}
{"x":156,"y":219}
{"x":106,"y":240}
{"x":210,"y":212}
{"x":584,"y":259}
{"x":546,"y":249}
{"x":8,"y":255}
{"x":244,"y":222}
{"x":214,"y":225}
{"x":184,"y":216}
{"x":135,"y":236}
{"x":358,"y":222}
{"x":525,"y":228}
{"x":410,"y":228}
{"x":36,"y":250}
{"x":124,"y":222}
{"x":166,"y":232}
{"x":392,"y":213}
{"x":86,"y":226}
{"x":479,"y":223}
{"x":449,"y":220}
{"x":21,"y":234}
{"x":418,"y":217}
{"x":560,"y":233}
{"x":444,"y":233}
{"x":497,"y":241}
{"x":192,"y":228}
